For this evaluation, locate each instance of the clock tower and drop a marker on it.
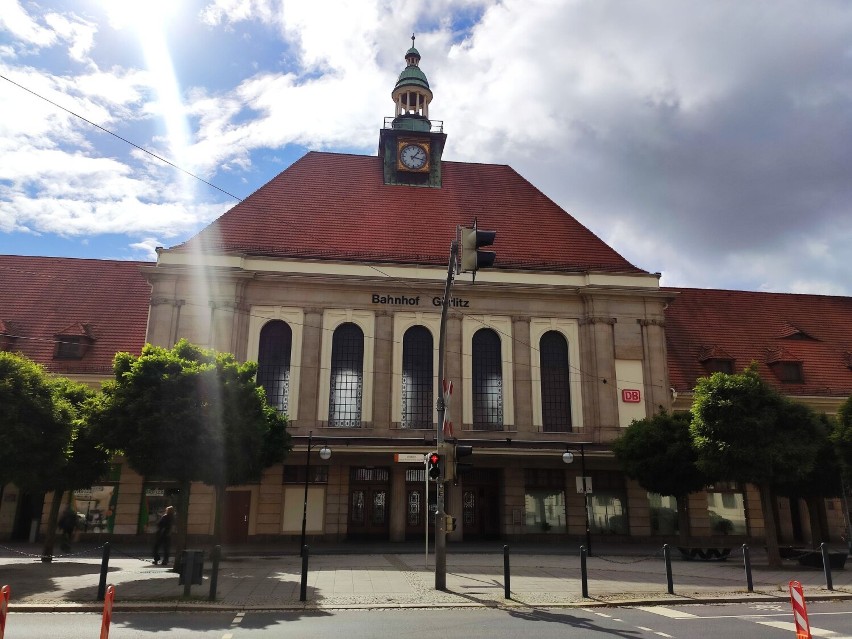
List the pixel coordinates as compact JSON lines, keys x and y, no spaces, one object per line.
{"x":410,"y":144}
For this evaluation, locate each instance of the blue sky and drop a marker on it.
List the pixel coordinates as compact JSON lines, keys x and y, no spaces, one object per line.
{"x":706,"y":141}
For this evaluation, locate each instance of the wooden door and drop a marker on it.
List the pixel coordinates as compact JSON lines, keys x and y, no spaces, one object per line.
{"x":368,"y":511}
{"x":235,"y":525}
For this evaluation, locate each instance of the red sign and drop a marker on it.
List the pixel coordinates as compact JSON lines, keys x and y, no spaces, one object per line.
{"x":800,"y":611}
{"x":631,"y":395}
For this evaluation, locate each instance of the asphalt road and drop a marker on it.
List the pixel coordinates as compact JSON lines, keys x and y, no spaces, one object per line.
{"x":754,"y":621}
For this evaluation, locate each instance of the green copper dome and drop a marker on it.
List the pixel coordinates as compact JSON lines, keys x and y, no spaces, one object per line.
{"x":412,"y":76}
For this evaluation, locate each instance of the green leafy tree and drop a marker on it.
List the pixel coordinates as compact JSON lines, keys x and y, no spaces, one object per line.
{"x":824,"y":479}
{"x":658,"y":453}
{"x":841,"y":437}
{"x":190,"y":414}
{"x":745,"y":431}
{"x":48,"y":446}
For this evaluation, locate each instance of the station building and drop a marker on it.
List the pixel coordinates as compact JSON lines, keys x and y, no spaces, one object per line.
{"x":331,"y":276}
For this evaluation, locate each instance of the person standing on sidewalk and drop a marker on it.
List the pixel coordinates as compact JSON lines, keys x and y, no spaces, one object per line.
{"x":163,"y":538}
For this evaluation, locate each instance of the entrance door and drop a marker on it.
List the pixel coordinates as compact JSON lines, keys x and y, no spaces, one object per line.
{"x":481,"y":504}
{"x":235,"y":525}
{"x":369,"y":502}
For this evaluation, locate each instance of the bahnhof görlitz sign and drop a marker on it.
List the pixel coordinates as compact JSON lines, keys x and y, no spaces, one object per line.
{"x":404,"y":300}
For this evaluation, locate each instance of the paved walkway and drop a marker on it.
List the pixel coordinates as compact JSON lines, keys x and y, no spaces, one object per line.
{"x":367,"y":577}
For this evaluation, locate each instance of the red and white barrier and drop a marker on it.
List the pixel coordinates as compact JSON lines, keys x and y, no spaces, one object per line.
{"x":5,"y":591}
{"x":109,"y":598}
{"x":800,"y":611}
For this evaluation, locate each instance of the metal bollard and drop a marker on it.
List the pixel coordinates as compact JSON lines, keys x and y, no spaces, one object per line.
{"x":826,"y":566}
{"x":214,"y":575}
{"x":507,"y":590}
{"x":668,"y":556}
{"x":102,"y":584}
{"x":303,"y":589}
{"x":747,"y":564}
{"x":584,"y":574}
{"x":188,"y":570}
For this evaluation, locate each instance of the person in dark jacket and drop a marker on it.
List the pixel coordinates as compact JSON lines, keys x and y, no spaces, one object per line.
{"x":67,"y":524}
{"x":163,"y":538}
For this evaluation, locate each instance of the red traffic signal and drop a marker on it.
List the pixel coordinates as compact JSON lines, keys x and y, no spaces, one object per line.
{"x":434,"y":466}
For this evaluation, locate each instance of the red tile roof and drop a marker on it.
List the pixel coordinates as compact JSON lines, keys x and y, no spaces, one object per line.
{"x":750,"y":326}
{"x":334,"y":206}
{"x":104,"y":300}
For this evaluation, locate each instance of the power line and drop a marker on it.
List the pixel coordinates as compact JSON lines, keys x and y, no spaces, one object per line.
{"x":115,"y":135}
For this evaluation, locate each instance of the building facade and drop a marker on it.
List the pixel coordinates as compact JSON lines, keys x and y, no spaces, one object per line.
{"x":331,"y":276}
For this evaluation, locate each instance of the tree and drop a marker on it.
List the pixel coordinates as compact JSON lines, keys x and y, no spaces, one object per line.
{"x":745,"y":431}
{"x":48,"y":446}
{"x":841,"y":437}
{"x":657,"y":452}
{"x":191,"y":414}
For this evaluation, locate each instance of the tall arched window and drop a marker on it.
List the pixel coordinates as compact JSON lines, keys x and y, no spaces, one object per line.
{"x":555,"y":390}
{"x":487,"y":381}
{"x":417,"y":378}
{"x":347,"y":377}
{"x":273,"y":363}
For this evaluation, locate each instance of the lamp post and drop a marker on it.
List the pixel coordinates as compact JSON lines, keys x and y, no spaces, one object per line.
{"x":568,"y":457}
{"x":324,"y":453}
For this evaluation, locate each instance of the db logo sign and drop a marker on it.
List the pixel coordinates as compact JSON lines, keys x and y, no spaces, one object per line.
{"x":631,"y":396}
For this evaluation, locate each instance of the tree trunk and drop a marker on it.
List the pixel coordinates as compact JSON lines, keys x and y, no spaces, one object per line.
{"x":817,"y":533}
{"x":52,"y":519}
{"x":218,"y":514}
{"x":683,"y":529}
{"x":770,"y":518}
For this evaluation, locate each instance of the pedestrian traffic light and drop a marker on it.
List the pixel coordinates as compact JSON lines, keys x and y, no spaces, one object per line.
{"x":470,"y":240}
{"x":449,"y":523}
{"x":434,"y":466}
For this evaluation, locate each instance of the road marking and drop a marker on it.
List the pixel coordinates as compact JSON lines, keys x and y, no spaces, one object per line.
{"x":228,"y":636}
{"x":646,"y":629}
{"x":600,"y":614}
{"x":662,"y":634}
{"x":238,"y":619}
{"x":789,"y":625}
{"x":671,"y":613}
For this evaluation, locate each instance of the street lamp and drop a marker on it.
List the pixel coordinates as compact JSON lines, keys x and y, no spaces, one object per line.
{"x":568,"y":457}
{"x":325,"y":454}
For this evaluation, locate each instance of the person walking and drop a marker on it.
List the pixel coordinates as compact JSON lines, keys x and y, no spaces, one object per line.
{"x":163,"y":538}
{"x":67,"y":524}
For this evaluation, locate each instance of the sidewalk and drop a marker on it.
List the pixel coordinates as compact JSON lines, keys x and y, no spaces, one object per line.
{"x":399,"y":577}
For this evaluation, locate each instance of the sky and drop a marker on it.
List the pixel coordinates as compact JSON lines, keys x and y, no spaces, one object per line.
{"x":707,"y":141}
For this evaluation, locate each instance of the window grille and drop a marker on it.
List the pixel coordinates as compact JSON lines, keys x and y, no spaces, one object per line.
{"x":555,"y":389}
{"x":487,"y":381}
{"x":347,"y":381}
{"x":417,"y":378}
{"x":273,"y":363}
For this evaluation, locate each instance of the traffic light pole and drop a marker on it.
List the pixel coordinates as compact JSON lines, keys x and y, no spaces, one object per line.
{"x":440,"y":516}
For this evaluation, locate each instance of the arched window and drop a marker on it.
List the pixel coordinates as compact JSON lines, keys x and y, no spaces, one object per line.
{"x":555,"y":391}
{"x":347,"y":377}
{"x":417,"y":378}
{"x":273,"y":363}
{"x":487,"y":381}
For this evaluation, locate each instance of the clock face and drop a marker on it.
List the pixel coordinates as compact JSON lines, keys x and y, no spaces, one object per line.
{"x":413,"y":156}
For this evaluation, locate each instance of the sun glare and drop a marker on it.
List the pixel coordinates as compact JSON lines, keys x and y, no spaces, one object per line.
{"x":148,"y":20}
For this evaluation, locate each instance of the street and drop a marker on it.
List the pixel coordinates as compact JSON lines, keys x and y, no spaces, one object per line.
{"x":754,"y":620}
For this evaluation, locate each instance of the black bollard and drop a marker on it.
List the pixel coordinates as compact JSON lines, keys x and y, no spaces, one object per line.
{"x":584,"y":574}
{"x":102,"y":584}
{"x":507,"y":590}
{"x":668,"y":556}
{"x":826,"y":566}
{"x":214,"y":574}
{"x":188,"y":570}
{"x":303,"y":589}
{"x":747,"y":564}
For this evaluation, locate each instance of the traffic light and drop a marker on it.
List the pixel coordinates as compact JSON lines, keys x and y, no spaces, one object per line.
{"x":449,"y":523}
{"x":462,"y":468}
{"x":470,"y":240}
{"x":434,"y":466}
